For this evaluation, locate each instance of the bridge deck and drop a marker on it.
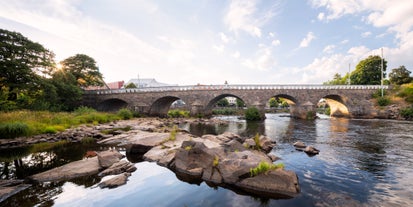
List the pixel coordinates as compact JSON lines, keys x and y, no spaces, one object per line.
{"x":240,"y":87}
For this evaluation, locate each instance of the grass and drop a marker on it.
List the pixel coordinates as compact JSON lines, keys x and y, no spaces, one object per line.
{"x":257,"y":141}
{"x":265,"y":167}
{"x":172,"y":135}
{"x":28,"y":123}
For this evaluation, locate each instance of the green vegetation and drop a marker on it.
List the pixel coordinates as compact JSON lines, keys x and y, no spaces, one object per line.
{"x":31,"y":79}
{"x":310,"y":115}
{"x":176,"y":113}
{"x":264,"y":167}
{"x":225,"y":111}
{"x":189,"y":147}
{"x":406,"y":92}
{"x":253,"y":114}
{"x":215,"y":162}
{"x":27,"y":123}
{"x":367,"y":72}
{"x":125,"y":114}
{"x":407,"y":113}
{"x":13,"y":129}
{"x":400,"y":75}
{"x":327,"y":111}
{"x":257,"y":141}
{"x":383,"y":101}
{"x":172,"y":135}
{"x":223,"y":102}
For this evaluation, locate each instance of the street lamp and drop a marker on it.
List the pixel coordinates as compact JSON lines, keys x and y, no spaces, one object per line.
{"x":381,"y":72}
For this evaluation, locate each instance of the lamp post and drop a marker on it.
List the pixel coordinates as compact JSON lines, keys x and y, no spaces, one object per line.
{"x":381,"y":72}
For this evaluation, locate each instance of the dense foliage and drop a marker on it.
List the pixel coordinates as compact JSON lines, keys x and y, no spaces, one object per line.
{"x":400,"y":75}
{"x":29,"y":78}
{"x":367,"y":72}
{"x":253,"y":114}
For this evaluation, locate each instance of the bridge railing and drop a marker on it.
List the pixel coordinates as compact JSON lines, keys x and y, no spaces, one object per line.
{"x":239,"y":87}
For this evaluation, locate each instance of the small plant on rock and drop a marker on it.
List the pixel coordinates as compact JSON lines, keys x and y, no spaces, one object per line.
{"x":216,"y":161}
{"x":257,"y":141}
{"x":172,"y":135}
{"x":264,"y":167}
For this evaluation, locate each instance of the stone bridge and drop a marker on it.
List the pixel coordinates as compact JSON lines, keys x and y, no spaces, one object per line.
{"x":354,"y":101}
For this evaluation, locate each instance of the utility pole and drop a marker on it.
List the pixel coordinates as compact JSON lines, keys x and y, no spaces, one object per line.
{"x":381,"y":72}
{"x":349,"y":80}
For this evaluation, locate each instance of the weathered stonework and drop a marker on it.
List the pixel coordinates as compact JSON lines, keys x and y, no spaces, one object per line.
{"x":347,"y":101}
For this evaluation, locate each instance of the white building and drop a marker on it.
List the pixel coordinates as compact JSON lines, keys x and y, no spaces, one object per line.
{"x":147,"y":83}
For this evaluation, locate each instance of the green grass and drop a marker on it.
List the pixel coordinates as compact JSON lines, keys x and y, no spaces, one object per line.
{"x":28,"y":123}
{"x":257,"y":141}
{"x":172,"y":135}
{"x":264,"y":167}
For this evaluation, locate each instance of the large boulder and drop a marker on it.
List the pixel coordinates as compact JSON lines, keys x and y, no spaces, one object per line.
{"x":118,"y":168}
{"x":108,"y":158}
{"x":274,"y":184}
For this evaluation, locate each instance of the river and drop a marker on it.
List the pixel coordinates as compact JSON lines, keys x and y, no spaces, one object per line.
{"x":361,"y":163}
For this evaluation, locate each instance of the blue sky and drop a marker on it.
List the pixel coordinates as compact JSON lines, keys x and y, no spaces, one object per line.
{"x":212,"y":41}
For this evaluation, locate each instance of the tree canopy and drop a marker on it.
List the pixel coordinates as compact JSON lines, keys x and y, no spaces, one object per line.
{"x":22,"y":61}
{"x":368,"y":71}
{"x":400,"y":76}
{"x":29,"y":78}
{"x":84,"y":69}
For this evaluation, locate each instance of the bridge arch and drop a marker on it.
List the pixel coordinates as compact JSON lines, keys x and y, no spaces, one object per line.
{"x":210,"y":105}
{"x":337,"y":104}
{"x":112,"y":104}
{"x":160,"y":107}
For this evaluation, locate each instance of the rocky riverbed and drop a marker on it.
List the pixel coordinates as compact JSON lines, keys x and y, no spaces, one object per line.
{"x":225,"y":160}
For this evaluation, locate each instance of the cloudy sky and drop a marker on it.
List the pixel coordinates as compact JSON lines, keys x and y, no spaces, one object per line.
{"x":213,"y":41}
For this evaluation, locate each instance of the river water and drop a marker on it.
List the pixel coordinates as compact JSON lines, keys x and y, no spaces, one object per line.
{"x":361,"y":163}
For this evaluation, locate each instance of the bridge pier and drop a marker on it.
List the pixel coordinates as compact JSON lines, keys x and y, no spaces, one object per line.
{"x":306,"y":110}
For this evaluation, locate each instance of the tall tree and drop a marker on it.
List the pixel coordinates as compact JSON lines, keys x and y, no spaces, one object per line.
{"x":368,"y":71}
{"x":84,"y":69}
{"x":400,"y":76}
{"x":21,"y":62}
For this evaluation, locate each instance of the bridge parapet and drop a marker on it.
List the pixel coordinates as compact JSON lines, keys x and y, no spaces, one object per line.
{"x":239,"y":87}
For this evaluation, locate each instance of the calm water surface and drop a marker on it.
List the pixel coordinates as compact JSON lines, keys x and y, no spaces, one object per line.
{"x":361,"y":163}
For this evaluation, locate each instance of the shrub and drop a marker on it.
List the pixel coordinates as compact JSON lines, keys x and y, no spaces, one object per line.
{"x":383,"y":101}
{"x":215,"y":162}
{"x":176,"y":113}
{"x":406,"y":92}
{"x":253,"y":114}
{"x":14,"y":129}
{"x":264,"y":167}
{"x":407,"y":113}
{"x":327,"y":111}
{"x":49,"y":130}
{"x":125,"y":113}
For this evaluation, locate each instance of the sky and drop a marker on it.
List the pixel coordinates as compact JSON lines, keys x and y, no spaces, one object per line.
{"x":190,"y":42}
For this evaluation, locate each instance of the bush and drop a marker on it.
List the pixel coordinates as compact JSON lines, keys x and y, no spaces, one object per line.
{"x":383,"y":101}
{"x":253,"y":114}
{"x":406,"y":92}
{"x":225,"y":111}
{"x":176,"y":113}
{"x":14,"y":129}
{"x":407,"y":113}
{"x":125,"y":113}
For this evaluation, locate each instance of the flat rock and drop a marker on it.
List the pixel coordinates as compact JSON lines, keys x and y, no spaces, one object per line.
{"x":10,"y":187}
{"x":116,"y":181}
{"x":69,"y":171}
{"x":108,"y":158}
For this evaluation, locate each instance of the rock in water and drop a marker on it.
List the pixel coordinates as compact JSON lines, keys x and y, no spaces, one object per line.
{"x":311,"y":150}
{"x":115,"y":181}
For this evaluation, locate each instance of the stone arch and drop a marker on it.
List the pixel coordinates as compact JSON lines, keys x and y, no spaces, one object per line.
{"x":213,"y":101}
{"x":337,"y":104}
{"x":113,"y":104}
{"x":290,"y":99}
{"x":160,"y":107}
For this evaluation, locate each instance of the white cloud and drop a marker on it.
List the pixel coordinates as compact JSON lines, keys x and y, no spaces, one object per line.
{"x":365,"y":34}
{"x":321,"y":16}
{"x":338,"y":8}
{"x":307,"y":40}
{"x":344,"y":41}
{"x":236,"y":54}
{"x":242,"y":15}
{"x":224,"y":38}
{"x":275,"y":42}
{"x":219,"y":48}
{"x":262,"y":61}
{"x":329,"y":49}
